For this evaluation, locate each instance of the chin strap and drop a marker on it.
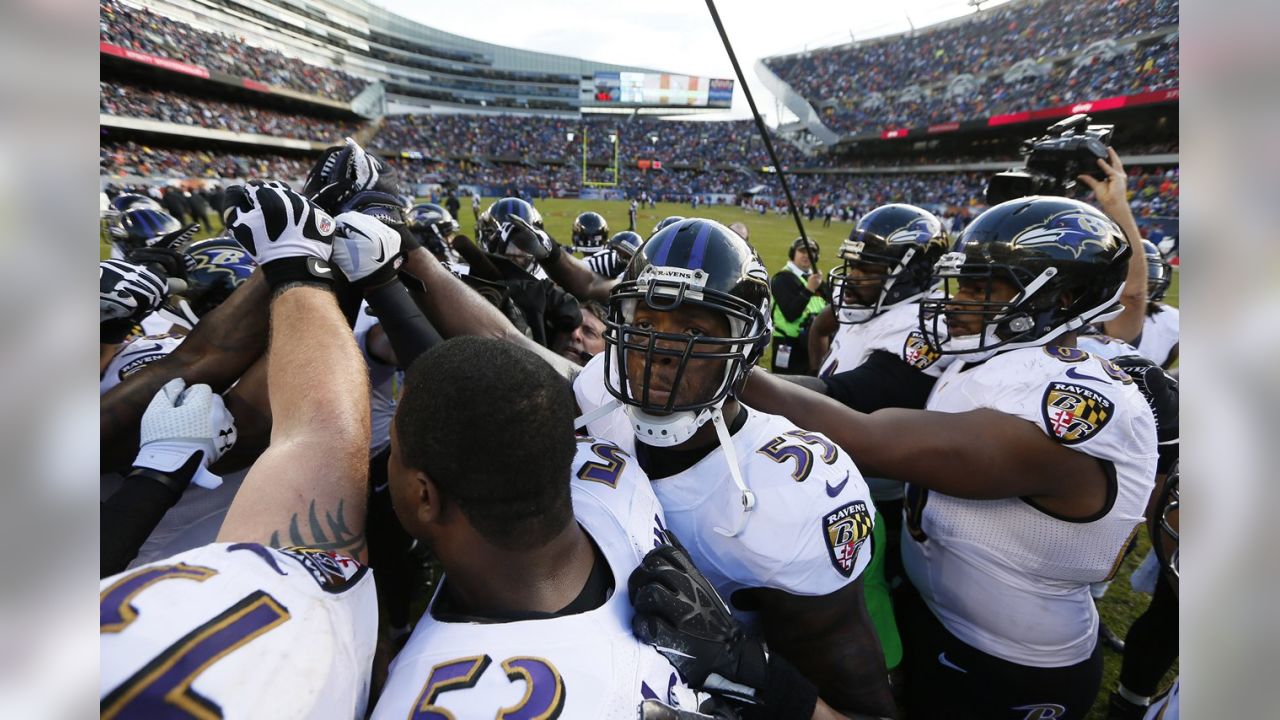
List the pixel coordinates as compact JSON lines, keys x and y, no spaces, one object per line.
{"x":731,"y":459}
{"x":587,"y":418}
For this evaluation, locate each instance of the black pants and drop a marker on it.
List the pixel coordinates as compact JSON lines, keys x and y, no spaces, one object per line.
{"x":1152,"y":643}
{"x":984,"y":687}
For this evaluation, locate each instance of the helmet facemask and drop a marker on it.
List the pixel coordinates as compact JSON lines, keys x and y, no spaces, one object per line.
{"x":673,"y":419}
{"x":1041,"y":309}
{"x":877,"y":277}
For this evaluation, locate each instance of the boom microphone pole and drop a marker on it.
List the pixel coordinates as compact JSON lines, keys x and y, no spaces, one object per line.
{"x":764,"y":135}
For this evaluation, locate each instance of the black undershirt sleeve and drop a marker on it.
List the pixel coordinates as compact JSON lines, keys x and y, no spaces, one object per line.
{"x":129,"y":516}
{"x":884,"y":380}
{"x":408,"y":330}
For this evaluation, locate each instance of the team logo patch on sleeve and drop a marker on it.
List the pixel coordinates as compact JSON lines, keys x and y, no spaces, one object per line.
{"x":1074,"y":413}
{"x":846,"y":530}
{"x":917,"y":353}
{"x":1115,"y":372}
{"x":333,"y":572}
{"x":1066,"y":354}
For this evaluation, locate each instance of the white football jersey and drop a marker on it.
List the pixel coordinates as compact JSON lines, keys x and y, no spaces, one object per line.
{"x":809,"y":532}
{"x":164,"y":321}
{"x":384,"y":385}
{"x":134,"y":356}
{"x":1002,"y":575}
{"x":896,"y":330}
{"x":1159,"y":334}
{"x":238,"y":631}
{"x":587,"y":665}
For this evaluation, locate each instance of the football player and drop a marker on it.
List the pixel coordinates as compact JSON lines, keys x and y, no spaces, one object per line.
{"x":434,"y":227}
{"x":1028,"y":472}
{"x":537,"y":541}
{"x":778,"y":518}
{"x":497,"y":218}
{"x":796,"y":572}
{"x":1159,"y":337}
{"x":590,"y":232}
{"x":250,"y":626}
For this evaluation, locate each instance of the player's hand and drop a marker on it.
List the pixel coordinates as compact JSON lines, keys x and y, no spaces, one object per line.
{"x":165,"y":261}
{"x":182,"y":421}
{"x":1112,"y":194}
{"x":366,"y":250}
{"x":1161,"y":392}
{"x":518,"y":233}
{"x":129,"y":291}
{"x":177,"y":238}
{"x":342,"y":172}
{"x":288,"y":235}
{"x":681,"y":615}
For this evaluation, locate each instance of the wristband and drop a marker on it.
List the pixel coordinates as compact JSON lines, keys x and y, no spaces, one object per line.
{"x":168,"y":457}
{"x":290,"y":270}
{"x":176,"y":482}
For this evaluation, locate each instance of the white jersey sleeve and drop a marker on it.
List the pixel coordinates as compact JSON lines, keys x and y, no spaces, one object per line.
{"x":1159,"y":334}
{"x":1105,"y":346}
{"x":238,"y":631}
{"x":581,"y":666}
{"x":895,"y":331}
{"x":134,"y":356}
{"x":591,"y":394}
{"x":809,"y":533}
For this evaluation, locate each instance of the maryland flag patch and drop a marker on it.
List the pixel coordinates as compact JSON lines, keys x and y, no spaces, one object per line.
{"x":846,"y":530}
{"x":917,"y":352}
{"x":1074,"y":413}
{"x":333,"y":572}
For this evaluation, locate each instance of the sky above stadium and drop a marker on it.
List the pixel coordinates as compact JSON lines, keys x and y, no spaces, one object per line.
{"x":678,"y":35}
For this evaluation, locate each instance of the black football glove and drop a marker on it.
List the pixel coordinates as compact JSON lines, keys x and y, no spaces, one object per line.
{"x":711,"y":709}
{"x":682,"y":616}
{"x":288,"y":235}
{"x":169,"y":262}
{"x":518,"y":233}
{"x":1161,"y":391}
{"x":344,"y":171}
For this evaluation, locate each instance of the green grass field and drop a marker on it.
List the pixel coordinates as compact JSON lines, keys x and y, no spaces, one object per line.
{"x":771,"y":235}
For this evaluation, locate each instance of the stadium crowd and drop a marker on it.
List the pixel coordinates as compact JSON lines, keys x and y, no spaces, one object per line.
{"x":145,"y":31}
{"x":185,"y":109}
{"x":1132,"y":70}
{"x":130,"y":158}
{"x":984,"y":42}
{"x":516,"y":137}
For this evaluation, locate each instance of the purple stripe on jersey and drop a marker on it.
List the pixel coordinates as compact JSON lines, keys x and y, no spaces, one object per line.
{"x":699,"y":248}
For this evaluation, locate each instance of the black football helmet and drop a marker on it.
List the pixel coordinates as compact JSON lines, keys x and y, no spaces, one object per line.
{"x":433,"y":226}
{"x":590,"y":231}
{"x":125,"y":202}
{"x":699,"y":263}
{"x":626,"y":243}
{"x":888,"y":259}
{"x":141,"y":227}
{"x":1159,"y":272}
{"x":1065,"y":260}
{"x":665,"y":222}
{"x":221,"y":266}
{"x":493,"y":218}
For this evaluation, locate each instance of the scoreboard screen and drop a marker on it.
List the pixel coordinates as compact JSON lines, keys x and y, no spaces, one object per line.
{"x":658,"y":89}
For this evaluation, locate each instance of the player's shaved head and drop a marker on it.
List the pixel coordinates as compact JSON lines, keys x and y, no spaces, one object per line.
{"x":491,"y":424}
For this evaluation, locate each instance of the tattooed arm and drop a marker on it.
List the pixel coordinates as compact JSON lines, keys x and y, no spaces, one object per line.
{"x":308,"y":488}
{"x":216,"y":353}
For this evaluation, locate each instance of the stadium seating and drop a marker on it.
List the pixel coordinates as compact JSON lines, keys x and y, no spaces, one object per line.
{"x":863,"y":85}
{"x":145,"y":31}
{"x":185,"y":109}
{"x":145,"y":161}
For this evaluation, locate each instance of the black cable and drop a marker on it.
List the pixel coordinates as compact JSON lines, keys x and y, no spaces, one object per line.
{"x":764,"y":135}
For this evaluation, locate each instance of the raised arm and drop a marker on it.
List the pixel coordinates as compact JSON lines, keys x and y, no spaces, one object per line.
{"x":455,"y":309}
{"x":309,"y":486}
{"x":985,"y":454}
{"x":576,"y":276}
{"x":1113,"y":198}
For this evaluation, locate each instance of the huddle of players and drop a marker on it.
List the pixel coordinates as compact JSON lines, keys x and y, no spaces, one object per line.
{"x":1022,"y":486}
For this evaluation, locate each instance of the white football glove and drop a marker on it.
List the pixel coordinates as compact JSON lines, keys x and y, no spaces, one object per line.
{"x":182,"y":421}
{"x":289,"y":236}
{"x":126,"y":290}
{"x":365,"y":249}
